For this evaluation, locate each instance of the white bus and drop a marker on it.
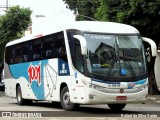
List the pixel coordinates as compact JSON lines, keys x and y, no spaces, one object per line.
{"x":153,"y":59}
{"x":88,"y":62}
{"x":157,"y":70}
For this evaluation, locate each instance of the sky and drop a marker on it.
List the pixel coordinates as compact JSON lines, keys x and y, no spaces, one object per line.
{"x":55,"y":11}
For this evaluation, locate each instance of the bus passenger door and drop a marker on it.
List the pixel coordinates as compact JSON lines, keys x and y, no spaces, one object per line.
{"x":79,"y":65}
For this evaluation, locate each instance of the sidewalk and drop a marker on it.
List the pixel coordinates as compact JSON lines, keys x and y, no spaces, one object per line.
{"x":154,"y":98}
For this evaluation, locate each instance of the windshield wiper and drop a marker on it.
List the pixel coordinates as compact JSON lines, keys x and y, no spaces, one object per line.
{"x":117,"y":51}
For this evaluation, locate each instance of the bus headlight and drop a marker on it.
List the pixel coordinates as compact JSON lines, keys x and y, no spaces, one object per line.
{"x":142,"y":87}
{"x":93,"y":86}
{"x":96,"y":87}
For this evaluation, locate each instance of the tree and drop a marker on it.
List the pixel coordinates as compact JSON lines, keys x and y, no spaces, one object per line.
{"x":83,"y":7}
{"x":142,"y":14}
{"x":101,"y":12}
{"x":12,"y":26}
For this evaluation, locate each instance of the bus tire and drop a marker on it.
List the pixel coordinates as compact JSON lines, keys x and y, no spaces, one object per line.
{"x":116,"y":107}
{"x":20,"y":100}
{"x":65,"y":100}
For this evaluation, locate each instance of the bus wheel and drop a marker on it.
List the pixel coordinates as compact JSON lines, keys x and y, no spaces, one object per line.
{"x":20,"y":100}
{"x":65,"y":100}
{"x":116,"y":107}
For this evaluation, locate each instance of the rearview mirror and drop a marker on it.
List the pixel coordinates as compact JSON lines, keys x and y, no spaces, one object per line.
{"x":152,"y":44}
{"x":83,"y":43}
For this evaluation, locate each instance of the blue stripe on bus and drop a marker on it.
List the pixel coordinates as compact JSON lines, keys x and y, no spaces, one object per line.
{"x":27,"y":70}
{"x":21,"y":70}
{"x":102,"y":81}
{"x":130,"y":84}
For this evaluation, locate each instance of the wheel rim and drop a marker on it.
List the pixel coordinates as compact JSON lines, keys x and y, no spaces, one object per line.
{"x":66,"y":99}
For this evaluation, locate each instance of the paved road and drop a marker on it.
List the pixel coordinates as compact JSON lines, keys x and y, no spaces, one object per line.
{"x":55,"y":112}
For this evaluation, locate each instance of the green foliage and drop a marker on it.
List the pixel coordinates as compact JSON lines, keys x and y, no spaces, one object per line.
{"x":12,"y":25}
{"x":83,"y":7}
{"x":101,"y":12}
{"x":142,"y":14}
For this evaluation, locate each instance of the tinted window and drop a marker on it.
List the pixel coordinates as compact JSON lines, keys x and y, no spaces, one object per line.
{"x":47,"y":47}
{"x":60,"y":46}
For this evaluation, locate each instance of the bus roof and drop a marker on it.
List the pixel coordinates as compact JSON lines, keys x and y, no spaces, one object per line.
{"x":103,"y":27}
{"x":86,"y":26}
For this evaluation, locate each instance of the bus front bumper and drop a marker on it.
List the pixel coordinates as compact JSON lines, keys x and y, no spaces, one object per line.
{"x":97,"y":97}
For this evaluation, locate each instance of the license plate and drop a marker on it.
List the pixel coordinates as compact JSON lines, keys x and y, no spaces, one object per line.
{"x":114,"y":85}
{"x":121,"y":85}
{"x":121,"y":98}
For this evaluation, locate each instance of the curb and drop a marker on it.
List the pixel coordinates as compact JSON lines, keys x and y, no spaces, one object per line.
{"x":154,"y":99}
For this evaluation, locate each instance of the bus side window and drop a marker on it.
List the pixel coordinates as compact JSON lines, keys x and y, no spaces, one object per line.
{"x":49,"y":54}
{"x":13,"y":56}
{"x":25,"y":52}
{"x":18,"y":54}
{"x":9,"y":55}
{"x":36,"y":50}
{"x":71,"y":46}
{"x":48,"y":47}
{"x":61,"y":51}
{"x":79,"y":57}
{"x":75,"y":49}
{"x":60,"y":46}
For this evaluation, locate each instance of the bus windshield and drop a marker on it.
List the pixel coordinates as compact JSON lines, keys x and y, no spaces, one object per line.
{"x":115,"y":57}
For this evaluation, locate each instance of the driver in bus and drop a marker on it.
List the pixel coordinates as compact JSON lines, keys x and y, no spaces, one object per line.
{"x":107,"y":58}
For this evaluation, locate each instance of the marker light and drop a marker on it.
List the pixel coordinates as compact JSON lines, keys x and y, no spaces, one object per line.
{"x":40,"y":35}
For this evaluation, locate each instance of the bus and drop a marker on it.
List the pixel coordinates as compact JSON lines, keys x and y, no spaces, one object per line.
{"x":153,"y":61}
{"x":83,"y":63}
{"x":156,"y":71}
